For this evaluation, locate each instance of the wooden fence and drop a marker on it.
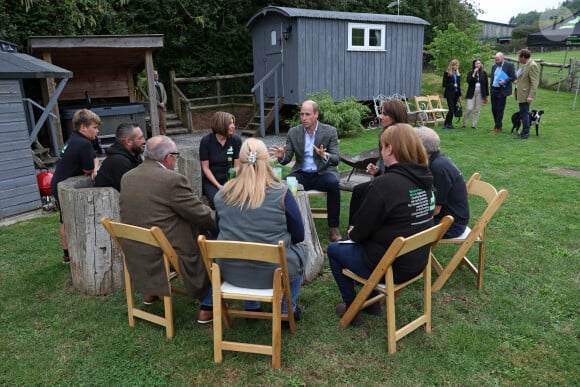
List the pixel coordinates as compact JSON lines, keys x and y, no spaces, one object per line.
{"x":185,"y":106}
{"x":567,"y":73}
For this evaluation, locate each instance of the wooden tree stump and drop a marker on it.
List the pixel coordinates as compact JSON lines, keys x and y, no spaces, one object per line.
{"x":315,"y":260}
{"x":188,"y":165}
{"x":96,"y":262}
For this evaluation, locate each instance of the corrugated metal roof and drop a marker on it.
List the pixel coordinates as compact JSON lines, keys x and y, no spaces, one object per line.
{"x":23,"y":66}
{"x":350,"y":16}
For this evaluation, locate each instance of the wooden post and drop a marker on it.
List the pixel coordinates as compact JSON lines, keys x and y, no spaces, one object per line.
{"x":174,"y":96}
{"x":96,"y":262}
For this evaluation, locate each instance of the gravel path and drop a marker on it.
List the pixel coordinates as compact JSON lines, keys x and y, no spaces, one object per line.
{"x":190,"y":139}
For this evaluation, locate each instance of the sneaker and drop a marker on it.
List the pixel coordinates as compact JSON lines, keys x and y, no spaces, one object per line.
{"x":65,"y":260}
{"x":149,"y":300}
{"x":341,"y":310}
{"x":204,"y":316}
{"x":473,"y":127}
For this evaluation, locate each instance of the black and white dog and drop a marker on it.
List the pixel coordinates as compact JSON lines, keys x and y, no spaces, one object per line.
{"x":535,"y":117}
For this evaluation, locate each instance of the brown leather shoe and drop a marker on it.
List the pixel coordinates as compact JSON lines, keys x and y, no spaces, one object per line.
{"x":204,"y":316}
{"x":148,"y":300}
{"x":496,"y":131}
{"x":334,"y":234}
{"x":341,"y":310}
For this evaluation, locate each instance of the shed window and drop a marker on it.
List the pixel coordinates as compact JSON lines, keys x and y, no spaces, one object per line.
{"x":273,"y":38}
{"x":366,"y":37}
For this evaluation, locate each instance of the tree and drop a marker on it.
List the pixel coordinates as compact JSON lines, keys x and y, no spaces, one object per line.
{"x":455,"y":44}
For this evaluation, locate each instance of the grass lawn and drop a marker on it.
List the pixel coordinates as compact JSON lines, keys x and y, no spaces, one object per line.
{"x":520,"y":329}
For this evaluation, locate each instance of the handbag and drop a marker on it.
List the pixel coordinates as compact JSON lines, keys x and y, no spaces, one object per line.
{"x":458,"y":112}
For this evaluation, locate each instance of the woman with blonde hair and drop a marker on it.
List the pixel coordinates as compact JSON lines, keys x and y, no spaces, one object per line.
{"x":452,"y":92}
{"x":218,"y":152}
{"x":400,"y":202}
{"x":257,"y":207}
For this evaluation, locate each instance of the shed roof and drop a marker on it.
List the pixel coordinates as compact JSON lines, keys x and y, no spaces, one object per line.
{"x":350,"y":16}
{"x":23,"y":66}
{"x":97,"y":50}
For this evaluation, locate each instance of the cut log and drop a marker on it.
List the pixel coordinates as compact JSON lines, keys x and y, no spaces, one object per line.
{"x":96,"y":263}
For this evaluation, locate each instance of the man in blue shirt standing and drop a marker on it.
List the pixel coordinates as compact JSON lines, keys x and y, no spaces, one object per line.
{"x":502,"y":75}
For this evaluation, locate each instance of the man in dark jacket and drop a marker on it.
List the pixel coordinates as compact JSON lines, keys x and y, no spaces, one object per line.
{"x":450,"y":189}
{"x":122,"y":156}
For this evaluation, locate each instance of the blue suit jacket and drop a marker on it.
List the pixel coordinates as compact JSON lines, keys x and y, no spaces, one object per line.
{"x":509,"y":69}
{"x":325,"y":135}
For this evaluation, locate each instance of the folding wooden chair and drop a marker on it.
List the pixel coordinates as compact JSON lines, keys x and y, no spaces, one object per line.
{"x":426,"y":115}
{"x":381,"y":281}
{"x":437,"y":109}
{"x":275,"y":254}
{"x":156,"y":238}
{"x":494,"y":199}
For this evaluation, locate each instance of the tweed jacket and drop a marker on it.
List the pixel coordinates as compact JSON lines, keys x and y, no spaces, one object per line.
{"x":325,"y":135}
{"x":509,"y":69}
{"x":154,"y":196}
{"x":528,"y":81}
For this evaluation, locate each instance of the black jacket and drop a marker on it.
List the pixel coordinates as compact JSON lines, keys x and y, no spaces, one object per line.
{"x":398,"y":203}
{"x":450,"y":91}
{"x":118,"y":161}
{"x":481,"y":77}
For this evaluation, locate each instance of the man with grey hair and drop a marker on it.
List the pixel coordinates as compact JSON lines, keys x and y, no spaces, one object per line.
{"x":122,"y":156}
{"x":153,"y":194}
{"x":450,"y":189}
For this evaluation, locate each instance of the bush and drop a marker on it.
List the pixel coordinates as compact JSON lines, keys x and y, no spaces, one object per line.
{"x":345,"y":116}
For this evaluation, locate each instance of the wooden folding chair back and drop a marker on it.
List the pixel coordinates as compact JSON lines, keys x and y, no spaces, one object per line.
{"x":439,"y":112}
{"x":156,"y":238}
{"x":477,"y":234}
{"x":423,"y":105}
{"x":382,"y":282}
{"x":275,"y":254}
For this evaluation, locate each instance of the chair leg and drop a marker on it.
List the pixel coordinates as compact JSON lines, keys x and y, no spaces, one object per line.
{"x":391,"y":320}
{"x":427,"y":296}
{"x":277,"y":322}
{"x":480,"y":265}
{"x":217,"y":316}
{"x":129,"y":292}
{"x":168,"y":306}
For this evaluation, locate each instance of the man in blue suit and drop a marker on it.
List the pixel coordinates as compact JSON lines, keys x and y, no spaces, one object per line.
{"x":317,"y":156}
{"x":502,"y":75}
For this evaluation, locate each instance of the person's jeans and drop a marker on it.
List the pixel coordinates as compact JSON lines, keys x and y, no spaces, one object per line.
{"x":207,"y":300}
{"x":451,"y":104}
{"x":453,"y":231}
{"x":294,"y":292}
{"x":525,"y":116}
{"x":325,"y":182}
{"x":346,"y":255}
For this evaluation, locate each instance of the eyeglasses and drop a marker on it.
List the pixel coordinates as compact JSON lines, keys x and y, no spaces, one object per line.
{"x":176,"y":154}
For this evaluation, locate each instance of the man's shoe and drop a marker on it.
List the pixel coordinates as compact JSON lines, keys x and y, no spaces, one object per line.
{"x":204,"y":316}
{"x":374,"y":309}
{"x":520,"y":137}
{"x":65,"y":260}
{"x":496,"y":131}
{"x":334,"y":234}
{"x":341,"y":310}
{"x":148,"y":300}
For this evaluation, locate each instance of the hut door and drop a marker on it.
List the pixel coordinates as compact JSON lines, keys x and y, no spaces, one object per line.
{"x":273,"y":41}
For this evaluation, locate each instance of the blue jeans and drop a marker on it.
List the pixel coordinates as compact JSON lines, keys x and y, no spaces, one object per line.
{"x":453,"y":231}
{"x":326,"y":182}
{"x":525,"y":116}
{"x":295,"y":285}
{"x":346,"y":255}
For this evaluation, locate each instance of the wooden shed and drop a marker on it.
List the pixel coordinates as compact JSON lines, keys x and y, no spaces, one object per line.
{"x":105,"y":67}
{"x":349,"y":54}
{"x":18,"y":128}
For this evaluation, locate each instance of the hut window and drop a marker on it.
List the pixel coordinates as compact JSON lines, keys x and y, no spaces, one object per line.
{"x":366,"y":37}
{"x":273,"y":39}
